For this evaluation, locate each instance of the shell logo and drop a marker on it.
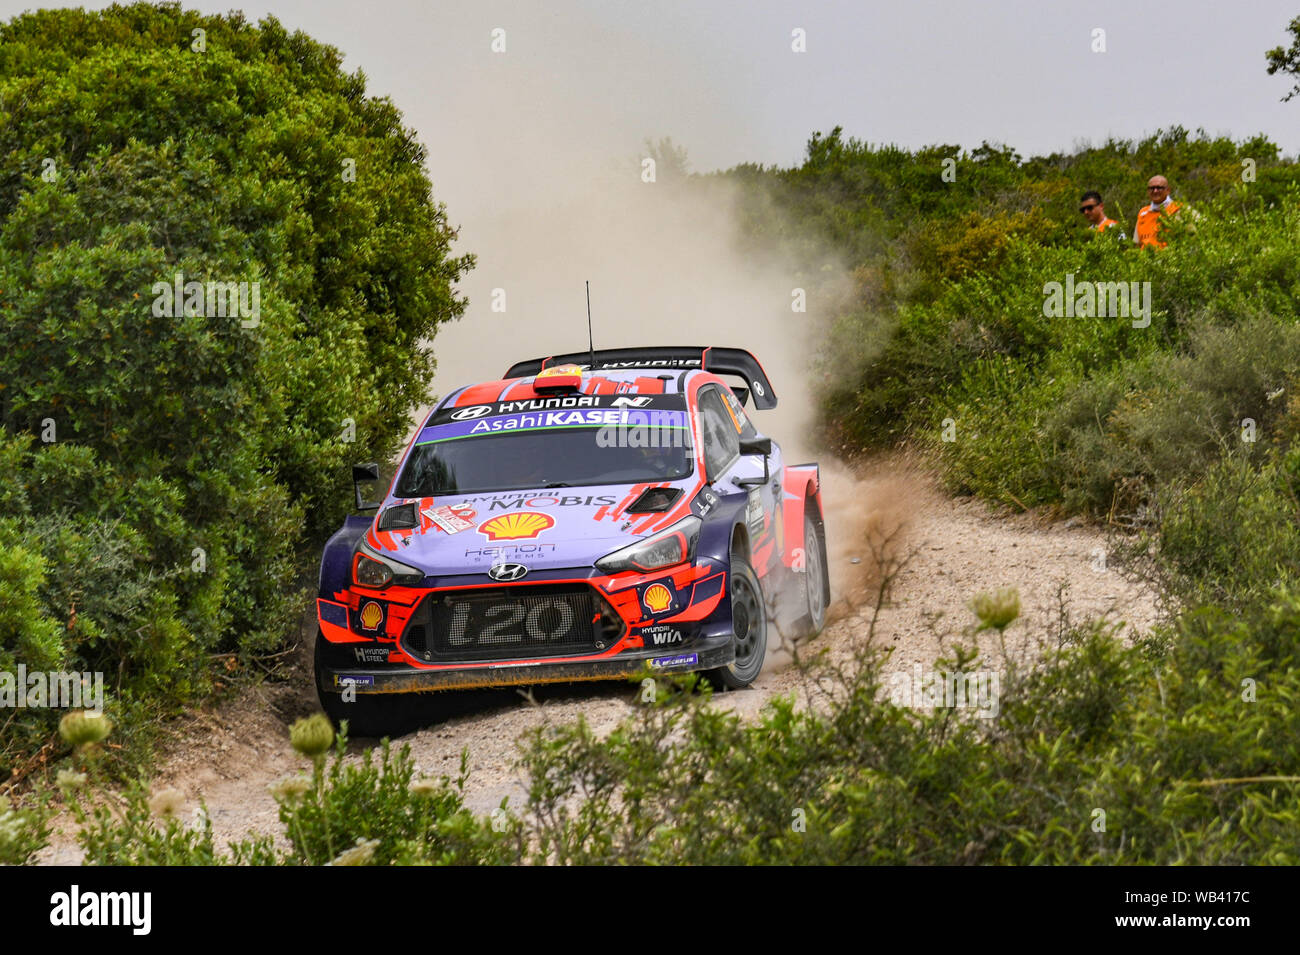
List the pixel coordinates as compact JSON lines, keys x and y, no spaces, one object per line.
{"x":372,"y":615}
{"x":657,"y":598}
{"x":525,"y":525}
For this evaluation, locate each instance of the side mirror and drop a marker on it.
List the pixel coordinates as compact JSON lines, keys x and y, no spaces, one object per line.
{"x":761,"y":446}
{"x":364,"y":474}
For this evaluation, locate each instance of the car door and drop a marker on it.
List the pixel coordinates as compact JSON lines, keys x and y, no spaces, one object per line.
{"x":724,"y":425}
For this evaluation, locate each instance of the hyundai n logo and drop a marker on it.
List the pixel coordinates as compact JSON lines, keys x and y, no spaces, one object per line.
{"x":473,"y":411}
{"x":507,"y":571}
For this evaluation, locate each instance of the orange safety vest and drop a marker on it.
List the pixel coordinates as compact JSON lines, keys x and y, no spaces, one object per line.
{"x":1148,"y":224}
{"x":1103,"y":225}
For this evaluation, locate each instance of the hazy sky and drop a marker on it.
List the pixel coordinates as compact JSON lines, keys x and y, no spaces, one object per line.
{"x":721,"y":78}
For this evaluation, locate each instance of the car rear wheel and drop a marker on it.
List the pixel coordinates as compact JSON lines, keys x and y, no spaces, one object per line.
{"x":749,"y":628}
{"x":814,"y":585}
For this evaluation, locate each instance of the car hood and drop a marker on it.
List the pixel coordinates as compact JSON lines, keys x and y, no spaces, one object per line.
{"x":548,"y":529}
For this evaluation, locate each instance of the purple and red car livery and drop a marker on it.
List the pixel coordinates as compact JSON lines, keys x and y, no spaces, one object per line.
{"x":587,"y":517}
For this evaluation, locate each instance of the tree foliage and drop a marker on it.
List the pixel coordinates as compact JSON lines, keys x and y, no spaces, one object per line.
{"x":1287,"y":61}
{"x":166,"y":464}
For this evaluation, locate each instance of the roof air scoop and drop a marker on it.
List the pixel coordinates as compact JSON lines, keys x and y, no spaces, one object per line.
{"x":557,"y":380}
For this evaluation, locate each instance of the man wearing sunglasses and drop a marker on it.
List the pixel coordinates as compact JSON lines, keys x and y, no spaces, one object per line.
{"x":1148,"y":220}
{"x":1094,"y":211}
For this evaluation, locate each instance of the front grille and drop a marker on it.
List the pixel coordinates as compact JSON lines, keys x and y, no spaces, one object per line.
{"x":501,"y":623}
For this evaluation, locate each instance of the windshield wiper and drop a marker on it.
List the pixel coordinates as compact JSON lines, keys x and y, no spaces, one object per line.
{"x":557,"y":484}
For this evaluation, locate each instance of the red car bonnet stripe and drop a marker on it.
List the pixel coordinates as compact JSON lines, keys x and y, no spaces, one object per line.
{"x":479,"y":394}
{"x":525,"y":390}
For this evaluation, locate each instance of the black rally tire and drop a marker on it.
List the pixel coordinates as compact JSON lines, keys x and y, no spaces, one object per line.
{"x":367,"y":716}
{"x":749,"y":626}
{"x":814,"y":581}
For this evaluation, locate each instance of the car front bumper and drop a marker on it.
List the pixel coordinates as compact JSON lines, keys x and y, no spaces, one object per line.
{"x":703,"y":653}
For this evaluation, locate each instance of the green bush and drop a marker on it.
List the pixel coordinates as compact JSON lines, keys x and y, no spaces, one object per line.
{"x":170,"y":470}
{"x":949,"y":300}
{"x":23,"y":832}
{"x":348,"y":812}
{"x":1180,"y":764}
{"x":1231,"y":537}
{"x":406,"y":820}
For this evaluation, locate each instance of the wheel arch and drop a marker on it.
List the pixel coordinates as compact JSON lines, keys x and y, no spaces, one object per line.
{"x":740,"y":540}
{"x":336,"y":558}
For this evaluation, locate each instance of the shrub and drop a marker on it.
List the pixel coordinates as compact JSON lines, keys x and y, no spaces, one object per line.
{"x":170,"y":464}
{"x":348,"y":812}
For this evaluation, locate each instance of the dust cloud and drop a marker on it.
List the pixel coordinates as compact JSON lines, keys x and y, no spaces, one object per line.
{"x":675,"y":261}
{"x":666,"y":267}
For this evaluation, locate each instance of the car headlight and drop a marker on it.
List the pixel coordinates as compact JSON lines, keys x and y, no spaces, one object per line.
{"x":671,"y":546}
{"x":378,"y":572}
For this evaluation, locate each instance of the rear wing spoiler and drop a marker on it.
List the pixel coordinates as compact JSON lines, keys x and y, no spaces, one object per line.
{"x":719,"y":361}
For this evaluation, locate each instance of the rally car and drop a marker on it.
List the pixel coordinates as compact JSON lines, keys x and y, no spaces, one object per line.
{"x":590,"y":516}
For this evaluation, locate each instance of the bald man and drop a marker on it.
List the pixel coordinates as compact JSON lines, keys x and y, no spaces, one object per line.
{"x":1148,"y":221}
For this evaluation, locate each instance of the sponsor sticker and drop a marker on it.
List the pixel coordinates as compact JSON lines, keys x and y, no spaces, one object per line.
{"x":363,"y":679}
{"x":513,"y":550}
{"x":506,"y":502}
{"x":737,"y":410}
{"x":558,"y":403}
{"x":550,"y":420}
{"x":754,"y":513}
{"x":450,"y":517}
{"x":704,"y":502}
{"x":470,"y":413}
{"x":650,"y":363}
{"x":371,"y":654}
{"x":657,"y":599}
{"x":372,"y":615}
{"x":680,"y":660}
{"x":524,"y":525}
{"x":660,"y":635}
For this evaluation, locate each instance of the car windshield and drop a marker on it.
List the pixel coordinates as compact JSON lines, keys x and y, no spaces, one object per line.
{"x":444,"y":462}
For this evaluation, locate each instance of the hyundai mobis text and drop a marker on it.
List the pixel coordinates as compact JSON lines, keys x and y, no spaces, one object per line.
{"x":589,"y":516}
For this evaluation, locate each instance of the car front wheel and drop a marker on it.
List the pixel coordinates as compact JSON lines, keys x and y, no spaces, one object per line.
{"x":749,"y":628}
{"x":366,"y":715}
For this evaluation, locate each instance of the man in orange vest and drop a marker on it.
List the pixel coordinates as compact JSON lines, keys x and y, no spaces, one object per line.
{"x":1094,"y":211}
{"x":1148,"y":220}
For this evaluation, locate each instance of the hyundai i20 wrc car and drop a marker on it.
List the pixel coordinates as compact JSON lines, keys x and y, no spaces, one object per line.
{"x":590,"y":516}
